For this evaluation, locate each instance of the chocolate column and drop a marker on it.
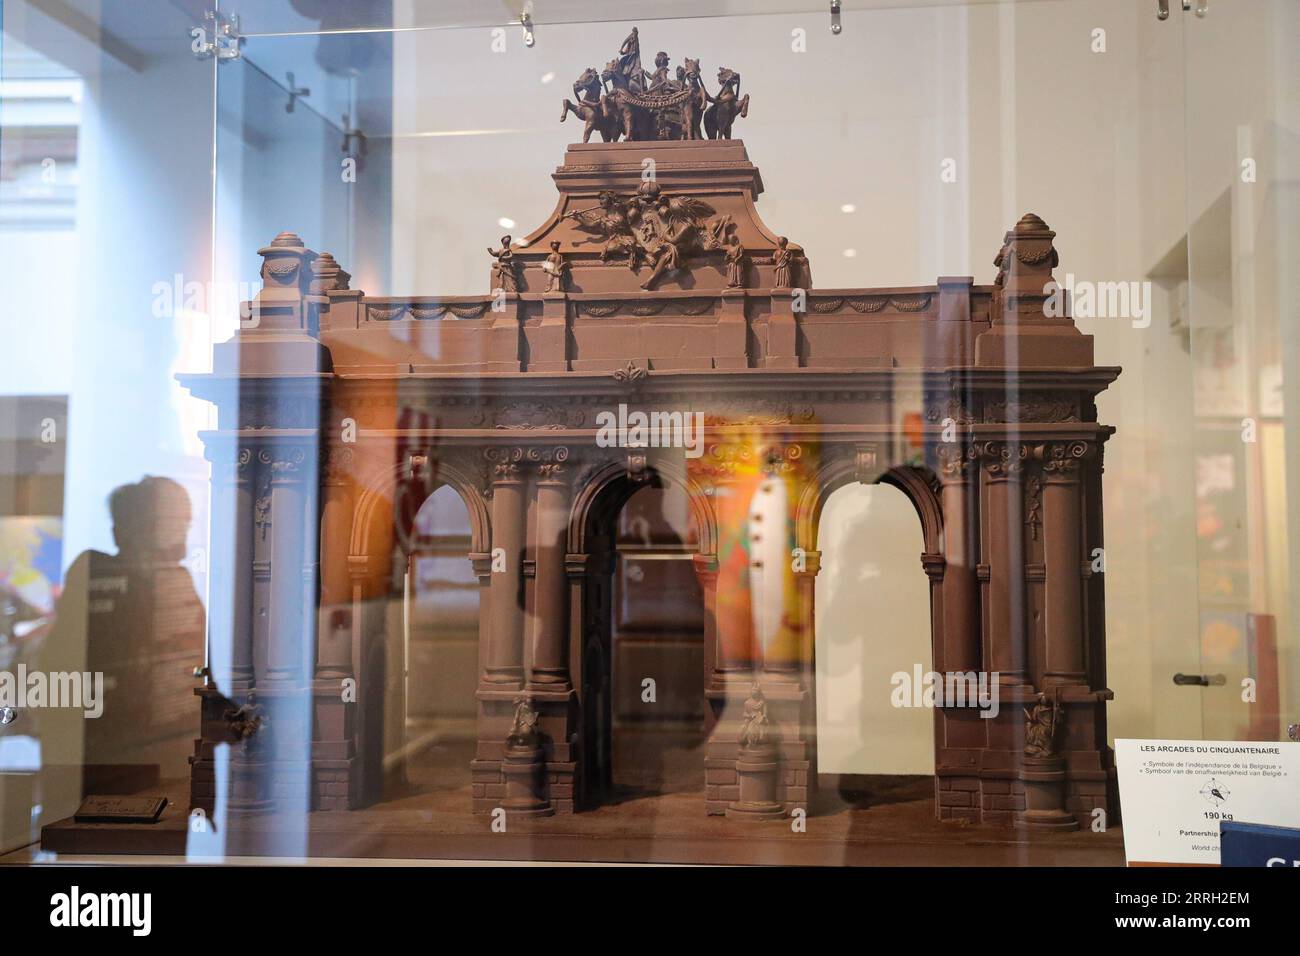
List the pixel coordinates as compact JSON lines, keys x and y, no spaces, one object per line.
{"x":1004,"y":532}
{"x":1063,"y":558}
{"x":230,"y":621}
{"x":504,"y":664}
{"x":334,"y":631}
{"x":291,"y":527}
{"x":961,"y":620}
{"x":806,"y":585}
{"x":549,"y":665}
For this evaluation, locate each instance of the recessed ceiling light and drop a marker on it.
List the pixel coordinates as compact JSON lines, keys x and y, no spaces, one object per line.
{"x":848,"y":207}
{"x":505,"y":223}
{"x":850,"y":253}
{"x":547,"y":77}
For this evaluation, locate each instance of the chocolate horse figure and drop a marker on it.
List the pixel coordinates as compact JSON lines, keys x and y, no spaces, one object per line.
{"x":594,"y":108}
{"x":623,"y":100}
{"x":727,"y":105}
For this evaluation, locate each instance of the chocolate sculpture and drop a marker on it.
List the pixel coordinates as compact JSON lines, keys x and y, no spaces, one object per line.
{"x":653,"y":295}
{"x":623,"y":100}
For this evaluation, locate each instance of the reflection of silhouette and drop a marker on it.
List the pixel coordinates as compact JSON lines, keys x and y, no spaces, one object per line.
{"x":141,"y":623}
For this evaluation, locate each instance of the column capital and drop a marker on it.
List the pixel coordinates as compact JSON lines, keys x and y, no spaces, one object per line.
{"x":1002,"y":460}
{"x":934,"y":565}
{"x":286,"y":462}
{"x":1062,"y":460}
{"x":551,"y":473}
{"x":954,"y":460}
{"x":335,"y":464}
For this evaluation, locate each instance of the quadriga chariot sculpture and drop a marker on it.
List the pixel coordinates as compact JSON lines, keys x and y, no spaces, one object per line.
{"x":623,"y":100}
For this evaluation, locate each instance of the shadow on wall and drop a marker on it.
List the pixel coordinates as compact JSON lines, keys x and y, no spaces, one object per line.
{"x":873,"y":620}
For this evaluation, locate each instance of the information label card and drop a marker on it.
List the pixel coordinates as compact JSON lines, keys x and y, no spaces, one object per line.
{"x":1174,"y":794}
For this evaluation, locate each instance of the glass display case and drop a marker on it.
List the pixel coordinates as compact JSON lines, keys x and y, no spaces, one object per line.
{"x":778,"y":432}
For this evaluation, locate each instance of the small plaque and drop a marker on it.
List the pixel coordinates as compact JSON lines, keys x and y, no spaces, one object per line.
{"x":1176,"y":794}
{"x":120,"y":809}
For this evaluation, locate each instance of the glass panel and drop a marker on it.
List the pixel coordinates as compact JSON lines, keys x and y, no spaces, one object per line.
{"x":1241,"y":160}
{"x":889,"y":188}
{"x":106,"y":161}
{"x":343,"y":336}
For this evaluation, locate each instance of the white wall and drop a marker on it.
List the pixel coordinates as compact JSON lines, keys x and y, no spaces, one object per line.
{"x":873,"y":620}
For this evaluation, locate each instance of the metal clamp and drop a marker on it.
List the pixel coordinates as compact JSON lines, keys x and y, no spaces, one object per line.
{"x":295,"y":92}
{"x":218,"y":37}
{"x":527,"y":21}
{"x":836,"y":26}
{"x":1162,"y":8}
{"x":354,"y":140}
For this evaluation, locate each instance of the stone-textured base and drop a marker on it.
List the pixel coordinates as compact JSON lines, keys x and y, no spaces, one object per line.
{"x":789,"y":706}
{"x":335,"y":785}
{"x":1002,"y":801}
{"x":488,"y":787}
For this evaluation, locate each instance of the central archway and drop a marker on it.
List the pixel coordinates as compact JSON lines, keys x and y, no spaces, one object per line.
{"x":645,"y":650}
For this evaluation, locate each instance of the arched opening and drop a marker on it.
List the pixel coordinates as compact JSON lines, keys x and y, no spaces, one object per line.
{"x":644,"y":656}
{"x":873,"y":641}
{"x":430,"y":705}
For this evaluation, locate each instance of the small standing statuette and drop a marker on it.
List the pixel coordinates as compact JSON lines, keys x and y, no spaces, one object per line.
{"x":783,"y":262}
{"x":1041,"y":725}
{"x":556,"y":268}
{"x":754,"y":724}
{"x":523,"y":731}
{"x":503,"y":271}
{"x":735,"y":264}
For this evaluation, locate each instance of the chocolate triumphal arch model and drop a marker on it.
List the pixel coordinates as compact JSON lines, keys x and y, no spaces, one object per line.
{"x":655,"y":287}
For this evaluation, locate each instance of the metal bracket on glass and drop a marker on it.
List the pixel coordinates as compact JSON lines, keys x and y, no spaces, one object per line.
{"x":218,"y":37}
{"x":526,"y":20}
{"x":1162,"y":8}
{"x":353,"y":137}
{"x":1293,"y":731}
{"x":836,"y":26}
{"x":295,"y":92}
{"x":8,"y":715}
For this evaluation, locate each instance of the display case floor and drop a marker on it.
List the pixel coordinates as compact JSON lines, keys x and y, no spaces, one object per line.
{"x":891,"y":824}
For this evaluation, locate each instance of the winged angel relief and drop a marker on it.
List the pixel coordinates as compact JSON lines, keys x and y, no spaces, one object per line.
{"x":661,"y":231}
